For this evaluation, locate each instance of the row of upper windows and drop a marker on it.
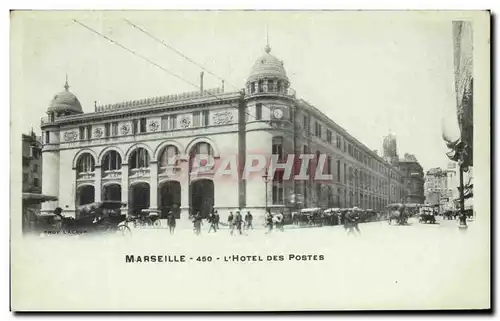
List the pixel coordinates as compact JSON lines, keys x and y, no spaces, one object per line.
{"x":200,"y":119}
{"x":344,"y":145}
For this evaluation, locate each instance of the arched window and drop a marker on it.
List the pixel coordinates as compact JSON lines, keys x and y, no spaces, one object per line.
{"x":167,"y":156}
{"x":86,"y":163}
{"x":270,"y":86}
{"x":111,"y":161}
{"x":202,"y":148}
{"x":139,"y":158}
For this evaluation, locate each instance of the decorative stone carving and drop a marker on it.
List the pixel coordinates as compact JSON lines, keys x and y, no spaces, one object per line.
{"x":125,"y":129}
{"x":70,"y":136}
{"x":185,"y":122}
{"x":98,"y":132}
{"x":153,"y":126}
{"x":221,"y":118}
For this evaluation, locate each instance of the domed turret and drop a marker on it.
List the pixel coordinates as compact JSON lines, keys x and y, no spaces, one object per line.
{"x":65,"y":103}
{"x":267,"y":75}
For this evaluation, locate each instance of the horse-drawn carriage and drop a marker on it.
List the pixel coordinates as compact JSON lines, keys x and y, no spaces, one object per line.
{"x":396,"y":212}
{"x":309,"y":216}
{"x":33,"y":220}
{"x":332,"y":216}
{"x":146,"y":218}
{"x":427,"y":215}
{"x":99,"y":217}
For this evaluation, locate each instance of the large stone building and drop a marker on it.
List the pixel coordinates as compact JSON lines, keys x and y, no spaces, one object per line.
{"x":32,"y":163}
{"x":412,"y":172}
{"x":127,"y":151}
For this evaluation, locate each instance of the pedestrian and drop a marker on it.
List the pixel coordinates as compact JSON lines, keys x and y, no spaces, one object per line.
{"x":279,"y":221}
{"x":239,"y":222}
{"x":171,"y":222}
{"x":269,"y":221}
{"x":352,"y":219}
{"x":197,"y":223}
{"x":211,"y":220}
{"x":248,"y":220}
{"x":230,"y":222}
{"x":217,"y":219}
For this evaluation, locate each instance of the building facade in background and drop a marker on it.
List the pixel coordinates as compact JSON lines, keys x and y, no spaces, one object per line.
{"x":142,"y":152}
{"x":412,"y":174}
{"x":32,"y":163}
{"x":441,"y":187}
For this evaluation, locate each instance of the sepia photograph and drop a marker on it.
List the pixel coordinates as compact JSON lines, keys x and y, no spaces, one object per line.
{"x":250,"y":160}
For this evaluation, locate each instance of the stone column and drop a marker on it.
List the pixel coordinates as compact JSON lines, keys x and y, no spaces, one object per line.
{"x":153,"y":190}
{"x":97,"y":183}
{"x":125,"y":188}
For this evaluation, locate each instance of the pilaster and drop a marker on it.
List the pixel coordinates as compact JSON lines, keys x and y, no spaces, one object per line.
{"x":97,"y":183}
{"x":153,"y":191}
{"x":125,"y":188}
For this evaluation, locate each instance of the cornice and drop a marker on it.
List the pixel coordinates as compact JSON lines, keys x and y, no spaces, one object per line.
{"x":151,"y":109}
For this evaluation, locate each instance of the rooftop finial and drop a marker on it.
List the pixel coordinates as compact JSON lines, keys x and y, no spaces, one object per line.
{"x":268,"y":48}
{"x":66,"y":85}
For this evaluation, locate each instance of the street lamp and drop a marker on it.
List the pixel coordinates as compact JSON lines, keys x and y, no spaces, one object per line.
{"x":266,"y":180}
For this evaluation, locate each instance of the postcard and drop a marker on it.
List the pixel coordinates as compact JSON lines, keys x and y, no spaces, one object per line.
{"x":250,"y":160}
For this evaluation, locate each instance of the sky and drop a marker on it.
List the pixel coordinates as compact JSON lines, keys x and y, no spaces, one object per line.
{"x":371,"y":73}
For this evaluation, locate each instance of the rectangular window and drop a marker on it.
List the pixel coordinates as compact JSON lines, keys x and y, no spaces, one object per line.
{"x":115,"y":128}
{"x":329,"y":136}
{"x":278,"y":188}
{"x":35,"y":168}
{"x":173,"y":122}
{"x":164,"y":123}
{"x":196,"y":119}
{"x":25,"y":177}
{"x":345,"y":174}
{"x":89,"y":132}
{"x":82,"y":133}
{"x":47,"y":137}
{"x":258,"y":111}
{"x":107,"y":130}
{"x":135,"y":126}
{"x":329,"y":165}
{"x":338,"y":171}
{"x":270,"y":86}
{"x":205,"y":118}
{"x":143,"y":125}
{"x":278,"y":147}
{"x":36,"y":182}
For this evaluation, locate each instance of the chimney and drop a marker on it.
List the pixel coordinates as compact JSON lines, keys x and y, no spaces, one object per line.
{"x":223,"y":86}
{"x":201,"y":81}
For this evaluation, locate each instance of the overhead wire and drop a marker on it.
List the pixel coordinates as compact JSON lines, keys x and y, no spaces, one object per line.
{"x":183,"y":55}
{"x":157,"y":65}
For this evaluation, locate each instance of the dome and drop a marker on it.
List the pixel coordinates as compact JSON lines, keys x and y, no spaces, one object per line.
{"x":267,"y":66}
{"x":65,"y":101}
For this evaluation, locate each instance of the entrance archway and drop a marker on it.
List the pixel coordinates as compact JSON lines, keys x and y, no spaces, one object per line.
{"x":139,"y":197}
{"x":112,"y":192}
{"x":202,"y":196}
{"x":169,"y":198}
{"x":85,"y":195}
